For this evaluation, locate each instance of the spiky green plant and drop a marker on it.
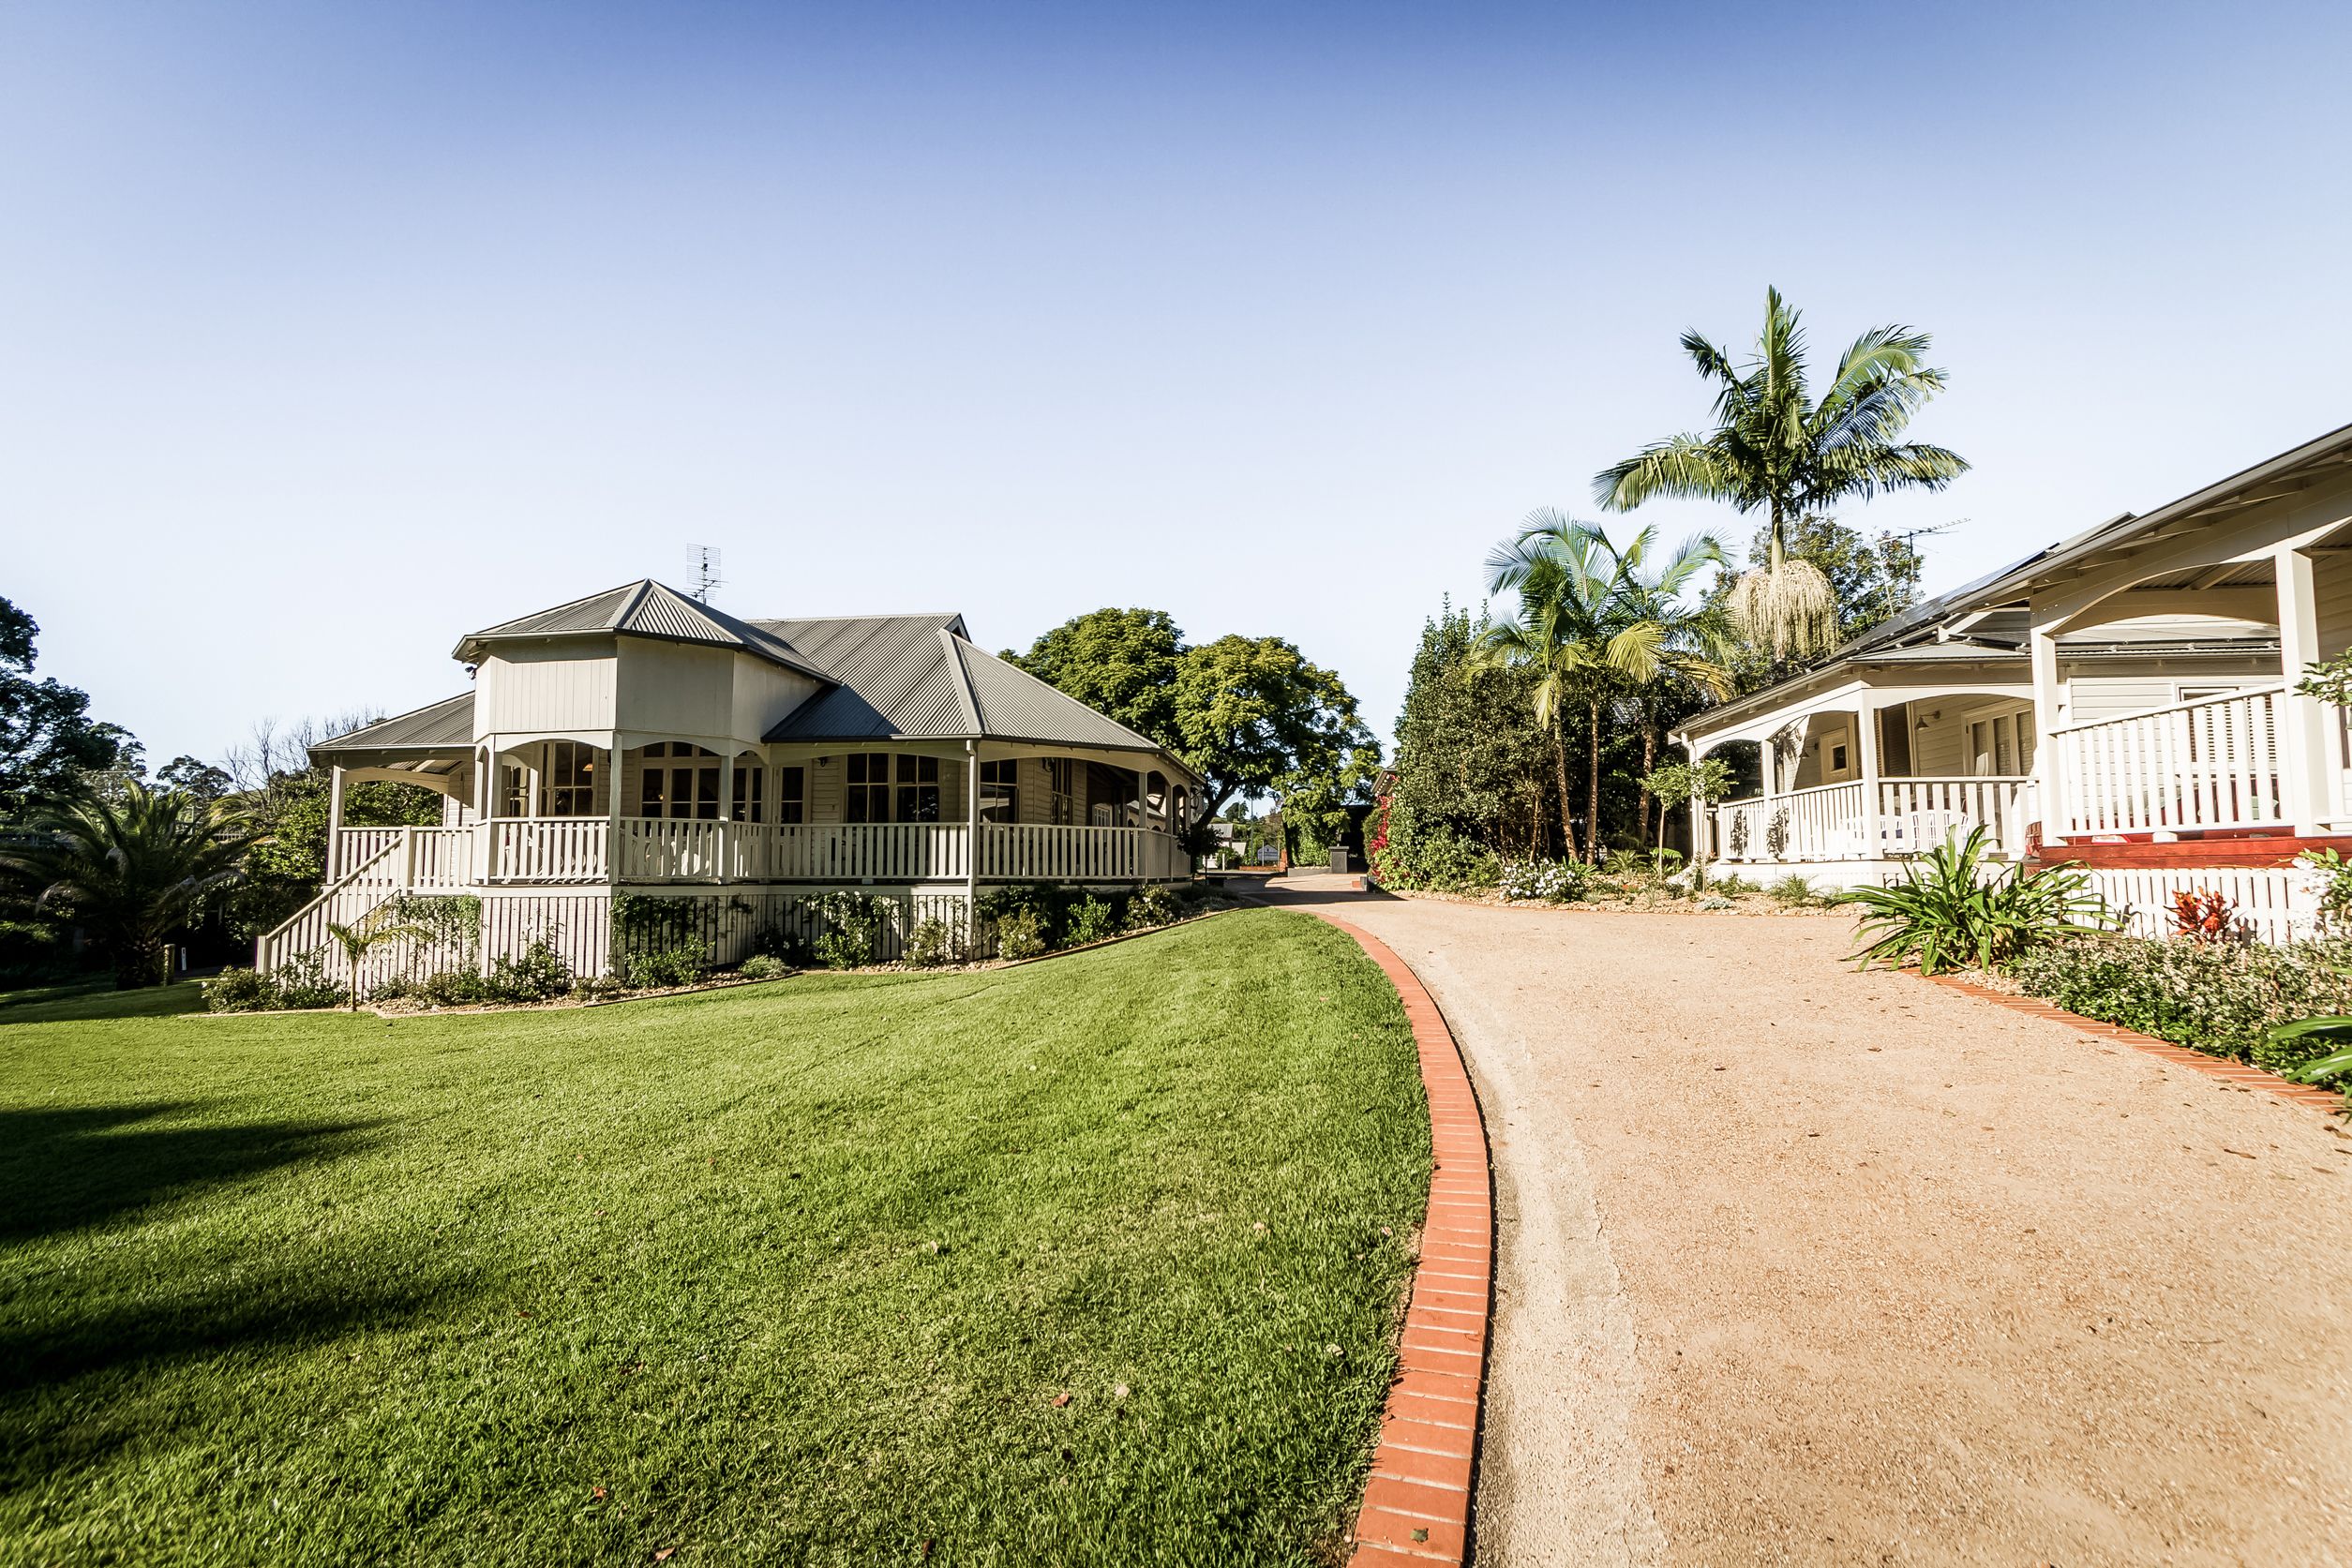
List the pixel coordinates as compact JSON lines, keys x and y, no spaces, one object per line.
{"x":1776,"y":448}
{"x":1953,"y":910}
{"x":2326,"y":1029}
{"x":131,"y":867}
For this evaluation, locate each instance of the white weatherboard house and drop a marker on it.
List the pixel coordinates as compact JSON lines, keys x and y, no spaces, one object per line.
{"x":2122,"y":700}
{"x":638,"y":742}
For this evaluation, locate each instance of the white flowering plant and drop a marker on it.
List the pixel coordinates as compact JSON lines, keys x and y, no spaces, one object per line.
{"x":1541,"y":881}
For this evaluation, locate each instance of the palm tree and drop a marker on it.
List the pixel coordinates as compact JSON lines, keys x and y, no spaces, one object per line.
{"x":1665,"y":641}
{"x":365,"y":935}
{"x":1774,"y":447}
{"x":1603,"y":621}
{"x":1561,"y":632}
{"x":131,"y":868}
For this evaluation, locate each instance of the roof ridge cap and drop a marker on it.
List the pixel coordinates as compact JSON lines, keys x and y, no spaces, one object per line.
{"x":964,"y":688}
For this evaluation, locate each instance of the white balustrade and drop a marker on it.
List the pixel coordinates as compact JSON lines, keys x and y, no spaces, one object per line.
{"x":1826,"y":822}
{"x":2210,"y":763}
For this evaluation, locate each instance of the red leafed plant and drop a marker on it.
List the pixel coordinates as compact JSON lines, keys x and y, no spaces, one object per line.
{"x":2204,"y":915}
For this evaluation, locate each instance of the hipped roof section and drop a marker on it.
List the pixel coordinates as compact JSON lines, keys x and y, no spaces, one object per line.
{"x":644,"y":609}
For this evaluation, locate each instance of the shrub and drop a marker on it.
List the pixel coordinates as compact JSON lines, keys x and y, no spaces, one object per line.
{"x":452,"y":988}
{"x":537,"y":974}
{"x":1093,"y":920}
{"x":933,"y":944}
{"x":784,"y":944}
{"x":2226,"y":999}
{"x":1796,"y":892}
{"x":240,"y":991}
{"x":1959,"y":911}
{"x":1716,"y":900}
{"x":303,"y":982}
{"x":1152,"y":905}
{"x":392,"y":988}
{"x":1020,"y":936}
{"x":2324,"y":877}
{"x":1042,"y":902}
{"x":763,"y":967}
{"x":665,"y":967}
{"x":851,"y":930}
{"x":1551,"y":881}
{"x":1441,"y":862}
{"x":1734,"y":886}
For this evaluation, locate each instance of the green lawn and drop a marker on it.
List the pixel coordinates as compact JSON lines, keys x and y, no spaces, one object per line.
{"x":797,"y":1273}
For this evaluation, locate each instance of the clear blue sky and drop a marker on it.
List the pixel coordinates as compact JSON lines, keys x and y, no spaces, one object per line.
{"x":328,"y":333}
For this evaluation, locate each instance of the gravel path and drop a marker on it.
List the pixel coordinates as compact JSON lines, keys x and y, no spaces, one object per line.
{"x":1798,"y":1265}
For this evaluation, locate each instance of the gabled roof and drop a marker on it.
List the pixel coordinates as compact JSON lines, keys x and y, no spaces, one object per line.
{"x":644,"y":609}
{"x":436,"y":726}
{"x":919,"y":677}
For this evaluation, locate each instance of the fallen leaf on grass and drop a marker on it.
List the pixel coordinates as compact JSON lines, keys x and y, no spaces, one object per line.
{"x":1060,"y":1399}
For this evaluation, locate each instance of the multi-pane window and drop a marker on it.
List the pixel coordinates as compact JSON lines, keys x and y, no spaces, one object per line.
{"x":750,"y":781}
{"x":918,"y":788}
{"x":1061,"y":797}
{"x":514,"y":790}
{"x":680,"y":780}
{"x":1000,"y":791}
{"x":570,"y":779}
{"x":791,"y":795}
{"x":868,"y":798}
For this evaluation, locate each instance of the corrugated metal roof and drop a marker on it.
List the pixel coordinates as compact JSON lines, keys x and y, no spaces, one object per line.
{"x":440,"y":726}
{"x":645,"y":609}
{"x":919,"y":677}
{"x":1016,"y":705}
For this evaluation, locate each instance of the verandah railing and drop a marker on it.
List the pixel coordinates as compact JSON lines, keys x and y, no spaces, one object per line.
{"x":573,"y":851}
{"x":2212,"y":762}
{"x":1826,"y":822}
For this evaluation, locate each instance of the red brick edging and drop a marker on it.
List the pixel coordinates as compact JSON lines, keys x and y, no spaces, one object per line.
{"x":1416,"y":1506}
{"x":2243,"y":1075}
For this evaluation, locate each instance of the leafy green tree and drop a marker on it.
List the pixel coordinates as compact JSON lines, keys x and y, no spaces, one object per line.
{"x":1251,"y":714}
{"x":1679,"y":784}
{"x":193,"y":777}
{"x":288,"y":795}
{"x":1663,"y":643}
{"x":1776,"y":449}
{"x":132,"y":871}
{"x":47,"y":740}
{"x":1254,"y":716}
{"x":1474,"y":765}
{"x":1122,"y":662}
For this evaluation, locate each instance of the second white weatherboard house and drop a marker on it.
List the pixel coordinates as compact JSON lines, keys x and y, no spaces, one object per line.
{"x":638,"y":742}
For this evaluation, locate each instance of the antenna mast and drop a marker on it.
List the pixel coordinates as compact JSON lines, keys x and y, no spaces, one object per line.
{"x":707,"y":572}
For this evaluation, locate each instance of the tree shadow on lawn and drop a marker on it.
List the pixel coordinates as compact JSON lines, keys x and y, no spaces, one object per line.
{"x":67,"y":1169}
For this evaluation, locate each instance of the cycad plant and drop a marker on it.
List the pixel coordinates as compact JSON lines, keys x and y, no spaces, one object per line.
{"x":1774,"y":447}
{"x":1953,"y":910}
{"x":131,"y":868}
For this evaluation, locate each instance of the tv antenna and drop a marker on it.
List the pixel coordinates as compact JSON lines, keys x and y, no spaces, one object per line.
{"x":707,"y":572}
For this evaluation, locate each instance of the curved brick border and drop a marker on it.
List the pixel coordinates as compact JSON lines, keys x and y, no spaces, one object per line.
{"x":2242,"y":1075}
{"x":1416,"y":1506}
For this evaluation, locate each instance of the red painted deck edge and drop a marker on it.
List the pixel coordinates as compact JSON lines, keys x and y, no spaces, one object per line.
{"x":1416,"y":1504}
{"x":2243,"y":1075}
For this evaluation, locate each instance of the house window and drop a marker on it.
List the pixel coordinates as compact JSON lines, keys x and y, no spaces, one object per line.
{"x":1000,"y":791}
{"x":514,"y":790}
{"x":570,"y":779}
{"x":1837,"y":757}
{"x":918,"y":788}
{"x":869,"y":797}
{"x":792,"y":794}
{"x":1062,"y":797}
{"x":749,"y":782}
{"x":680,"y":780}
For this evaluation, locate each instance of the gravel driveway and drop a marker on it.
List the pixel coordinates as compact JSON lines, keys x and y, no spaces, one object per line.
{"x":1798,"y":1265}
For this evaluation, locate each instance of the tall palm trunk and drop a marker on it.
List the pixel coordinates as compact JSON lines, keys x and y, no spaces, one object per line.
{"x":1560,"y":763}
{"x":1649,"y":764}
{"x":1592,"y":785}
